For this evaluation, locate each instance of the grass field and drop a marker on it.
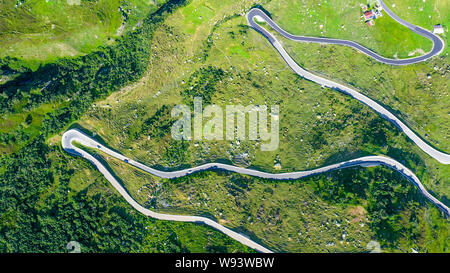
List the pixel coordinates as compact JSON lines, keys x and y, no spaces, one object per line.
{"x":45,"y":30}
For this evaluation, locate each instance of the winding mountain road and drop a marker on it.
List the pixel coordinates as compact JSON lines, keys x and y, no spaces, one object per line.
{"x":437,"y":48}
{"x":74,"y":135}
{"x":438,"y":43}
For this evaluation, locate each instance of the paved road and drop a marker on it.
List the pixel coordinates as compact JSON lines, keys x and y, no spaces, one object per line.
{"x":438,"y":43}
{"x":437,"y":48}
{"x":74,"y":135}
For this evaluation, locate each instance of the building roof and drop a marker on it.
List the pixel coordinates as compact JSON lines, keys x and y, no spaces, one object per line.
{"x":438,"y":29}
{"x":368,"y":14}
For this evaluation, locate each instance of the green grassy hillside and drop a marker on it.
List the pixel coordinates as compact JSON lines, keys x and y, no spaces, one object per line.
{"x":47,"y":29}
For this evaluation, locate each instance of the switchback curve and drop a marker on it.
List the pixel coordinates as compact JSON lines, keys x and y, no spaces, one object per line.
{"x":74,"y":135}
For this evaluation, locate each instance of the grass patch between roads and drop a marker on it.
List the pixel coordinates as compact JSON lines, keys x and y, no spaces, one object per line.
{"x":342,"y":19}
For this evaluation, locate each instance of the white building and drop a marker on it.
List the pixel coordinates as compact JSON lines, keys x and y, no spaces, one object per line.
{"x":438,"y":29}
